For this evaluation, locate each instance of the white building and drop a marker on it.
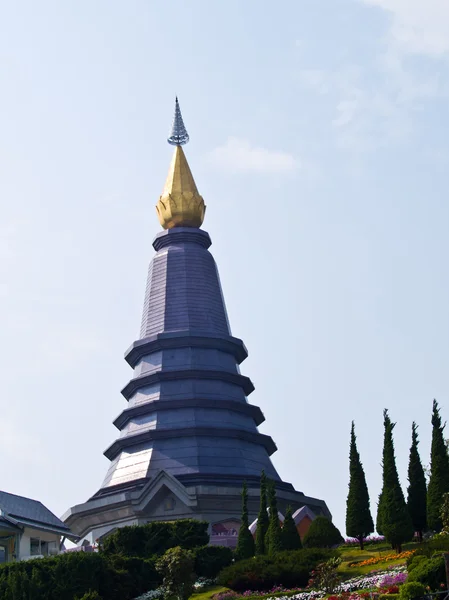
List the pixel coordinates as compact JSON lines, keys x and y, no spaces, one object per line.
{"x":28,"y":529}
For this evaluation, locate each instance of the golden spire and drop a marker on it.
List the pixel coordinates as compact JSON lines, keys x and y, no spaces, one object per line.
{"x":180,"y":204}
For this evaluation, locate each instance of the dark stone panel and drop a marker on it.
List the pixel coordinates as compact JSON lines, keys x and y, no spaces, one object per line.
{"x":187,"y":374}
{"x":186,"y":358}
{"x":183,"y":290}
{"x":231,"y":435}
{"x":160,"y":405}
{"x":185,"y":339}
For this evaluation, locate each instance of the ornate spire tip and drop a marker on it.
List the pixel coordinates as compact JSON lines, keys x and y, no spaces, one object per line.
{"x":178,"y":135}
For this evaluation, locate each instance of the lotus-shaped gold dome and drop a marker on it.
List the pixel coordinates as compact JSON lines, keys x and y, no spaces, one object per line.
{"x":180,"y":204}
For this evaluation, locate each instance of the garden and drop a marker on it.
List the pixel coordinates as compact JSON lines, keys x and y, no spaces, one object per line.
{"x":173,"y":561}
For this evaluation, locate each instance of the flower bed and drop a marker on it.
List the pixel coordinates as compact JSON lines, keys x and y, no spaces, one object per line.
{"x":385,"y":581}
{"x":380,"y":559}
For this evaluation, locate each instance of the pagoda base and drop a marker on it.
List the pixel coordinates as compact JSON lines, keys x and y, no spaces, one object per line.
{"x":166,"y":498}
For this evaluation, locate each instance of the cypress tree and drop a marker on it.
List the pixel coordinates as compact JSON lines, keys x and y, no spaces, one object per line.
{"x":393,"y":515}
{"x":439,"y":471}
{"x":289,"y":534}
{"x":417,"y":489}
{"x":359,"y":522}
{"x":245,"y":543}
{"x":273,"y":541}
{"x":262,"y":519}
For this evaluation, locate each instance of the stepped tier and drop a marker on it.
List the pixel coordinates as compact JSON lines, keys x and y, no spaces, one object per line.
{"x":187,"y":412}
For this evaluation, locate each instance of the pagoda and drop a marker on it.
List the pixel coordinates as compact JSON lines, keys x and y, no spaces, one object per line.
{"x":188,"y":435}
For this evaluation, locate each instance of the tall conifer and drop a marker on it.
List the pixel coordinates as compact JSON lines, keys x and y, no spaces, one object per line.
{"x":439,"y":471}
{"x":262,"y":519}
{"x":289,"y":534}
{"x":273,"y":540}
{"x":417,"y":489}
{"x":245,"y":543}
{"x":359,"y":522}
{"x":392,"y":516}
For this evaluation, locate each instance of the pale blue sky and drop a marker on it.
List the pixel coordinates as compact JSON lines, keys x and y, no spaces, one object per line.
{"x":319,"y":142}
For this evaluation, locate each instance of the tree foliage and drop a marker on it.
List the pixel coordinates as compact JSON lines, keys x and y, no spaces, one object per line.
{"x":439,"y":471}
{"x":290,"y":537}
{"x":322,"y":534}
{"x":359,"y":522}
{"x":417,"y":489}
{"x":273,"y":540}
{"x":245,"y":543}
{"x":176,"y":567}
{"x":393,"y":518}
{"x":444,"y":514}
{"x":262,"y":519}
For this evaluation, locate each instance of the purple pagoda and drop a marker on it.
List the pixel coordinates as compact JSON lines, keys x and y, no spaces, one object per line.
{"x":188,"y":436}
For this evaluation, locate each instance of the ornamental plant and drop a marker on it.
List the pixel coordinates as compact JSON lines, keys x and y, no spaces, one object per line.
{"x":393,"y":518}
{"x":273,"y":539}
{"x":262,"y":519}
{"x":439,"y":471}
{"x":322,"y":534}
{"x":291,"y":539}
{"x":359,"y":522}
{"x":325,"y":577}
{"x":176,"y":567}
{"x":417,"y":489}
{"x":245,"y":543}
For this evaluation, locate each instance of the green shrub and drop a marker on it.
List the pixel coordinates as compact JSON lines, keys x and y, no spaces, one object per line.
{"x":90,"y":596}
{"x":388,"y":597}
{"x":72,"y":575}
{"x":322,"y":534}
{"x":414,"y":560}
{"x":176,"y":566}
{"x":290,"y":569}
{"x":156,"y":538}
{"x":430,"y":572}
{"x":210,"y":560}
{"x":411,"y":589}
{"x":439,"y":543}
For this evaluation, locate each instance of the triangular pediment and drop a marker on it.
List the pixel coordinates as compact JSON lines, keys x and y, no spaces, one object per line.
{"x":165,"y":495}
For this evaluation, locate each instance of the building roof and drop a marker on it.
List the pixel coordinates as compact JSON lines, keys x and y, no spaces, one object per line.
{"x":303,"y":512}
{"x":31,"y":513}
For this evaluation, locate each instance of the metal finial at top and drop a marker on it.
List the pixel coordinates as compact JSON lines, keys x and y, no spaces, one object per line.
{"x":179,"y":135}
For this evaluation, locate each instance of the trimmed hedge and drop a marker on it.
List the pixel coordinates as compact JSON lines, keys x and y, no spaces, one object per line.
{"x":290,"y":569}
{"x":411,"y":589}
{"x":156,"y":538}
{"x":430,"y":572}
{"x":322,"y":534}
{"x":210,"y":560}
{"x":439,"y":543}
{"x":75,"y":574}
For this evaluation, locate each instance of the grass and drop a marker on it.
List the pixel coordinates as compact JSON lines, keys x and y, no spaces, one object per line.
{"x":208,"y":592}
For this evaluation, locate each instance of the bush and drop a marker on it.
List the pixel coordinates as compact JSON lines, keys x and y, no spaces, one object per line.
{"x":210,"y":560}
{"x":414,"y":560}
{"x":91,"y":596}
{"x":430,"y":572}
{"x":156,"y":538}
{"x":137,"y":575}
{"x":322,"y":534}
{"x":176,"y":566}
{"x":439,"y":543}
{"x":289,"y":569}
{"x":410,"y":590}
{"x":388,"y":597}
{"x":72,"y":575}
